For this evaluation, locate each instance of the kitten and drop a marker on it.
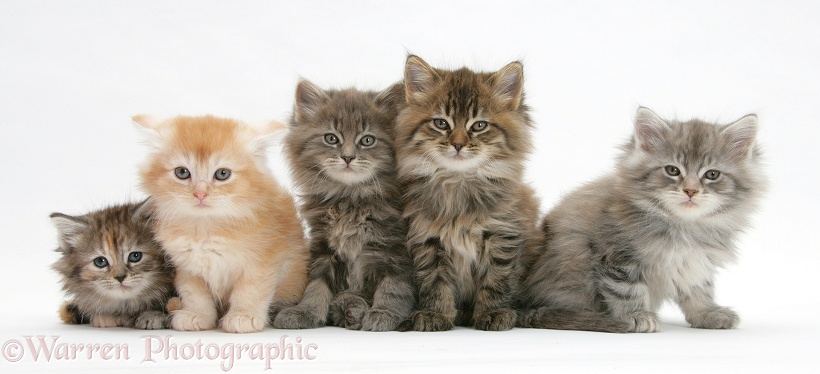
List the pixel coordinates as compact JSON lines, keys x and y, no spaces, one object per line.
{"x":342,"y":158}
{"x":655,"y":229}
{"x":462,"y":139}
{"x":113,"y":269}
{"x":230,"y":230}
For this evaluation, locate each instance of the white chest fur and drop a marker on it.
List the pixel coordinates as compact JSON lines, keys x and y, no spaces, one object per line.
{"x":217,"y":260}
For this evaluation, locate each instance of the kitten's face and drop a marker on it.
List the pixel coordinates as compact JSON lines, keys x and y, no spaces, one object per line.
{"x":203,"y":166}
{"x":693,"y":169}
{"x":461,"y":121}
{"x":110,"y":253}
{"x":344,"y":136}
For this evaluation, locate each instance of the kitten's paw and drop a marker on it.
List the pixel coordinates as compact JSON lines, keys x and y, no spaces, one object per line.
{"x":242,"y":323}
{"x":425,"y":320}
{"x":646,"y":322}
{"x":347,"y":310}
{"x":294,"y":318}
{"x":151,"y":320}
{"x":499,"y":320}
{"x":106,"y":321}
{"x":718,"y":318}
{"x":186,"y":320}
{"x":380,"y":320}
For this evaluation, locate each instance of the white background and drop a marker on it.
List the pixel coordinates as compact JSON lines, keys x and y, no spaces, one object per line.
{"x":73,"y":72}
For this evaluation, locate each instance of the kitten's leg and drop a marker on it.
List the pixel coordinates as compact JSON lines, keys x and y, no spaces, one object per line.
{"x":625,"y":293}
{"x":312,"y":311}
{"x":437,"y":299}
{"x":701,"y":311}
{"x":250,"y":301}
{"x":108,"y":320}
{"x":493,"y":310}
{"x":151,"y":320}
{"x":198,"y":311}
{"x":347,"y":310}
{"x":393,"y":302}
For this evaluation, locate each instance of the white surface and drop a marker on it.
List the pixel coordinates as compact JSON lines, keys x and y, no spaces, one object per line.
{"x":73,"y":72}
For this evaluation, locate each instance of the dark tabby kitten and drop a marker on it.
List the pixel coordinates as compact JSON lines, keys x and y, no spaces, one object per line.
{"x":112,"y":268}
{"x":655,"y":229}
{"x":462,"y":139}
{"x":342,"y":157}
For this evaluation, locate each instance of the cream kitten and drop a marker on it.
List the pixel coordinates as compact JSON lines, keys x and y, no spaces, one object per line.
{"x":229,"y":228}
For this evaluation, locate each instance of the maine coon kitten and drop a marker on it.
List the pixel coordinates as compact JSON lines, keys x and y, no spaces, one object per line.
{"x":655,"y":229}
{"x":113,"y":270}
{"x":342,"y":158}
{"x":462,"y":139}
{"x":230,"y":230}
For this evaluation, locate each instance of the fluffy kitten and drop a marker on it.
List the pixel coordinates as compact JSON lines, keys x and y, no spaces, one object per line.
{"x":230,"y":230}
{"x":462,"y":139}
{"x":342,"y":157}
{"x":655,"y":229}
{"x":112,"y":268}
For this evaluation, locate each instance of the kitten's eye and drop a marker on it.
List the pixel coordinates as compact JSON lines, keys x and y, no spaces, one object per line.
{"x":367,"y":140}
{"x":479,"y":126}
{"x":711,"y":174}
{"x":182,"y":173}
{"x":100,"y":262}
{"x":331,"y":139}
{"x":134,"y":257}
{"x":672,"y":170}
{"x":222,"y":174}
{"x":441,"y":124}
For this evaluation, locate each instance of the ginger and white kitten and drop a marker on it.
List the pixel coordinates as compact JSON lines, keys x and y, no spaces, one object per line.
{"x":113,"y":270}
{"x":230,"y":229}
{"x":655,"y":229}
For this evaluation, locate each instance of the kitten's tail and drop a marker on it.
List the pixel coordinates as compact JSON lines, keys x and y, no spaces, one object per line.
{"x":561,"y":319}
{"x":72,"y":315}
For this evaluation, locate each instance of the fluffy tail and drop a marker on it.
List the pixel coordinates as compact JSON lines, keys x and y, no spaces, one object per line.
{"x":560,"y":319}
{"x":72,"y":315}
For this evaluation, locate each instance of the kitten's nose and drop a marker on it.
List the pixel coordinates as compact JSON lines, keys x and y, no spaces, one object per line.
{"x":348,"y":159}
{"x":458,"y":146}
{"x":689,"y":192}
{"x":200,"y":195}
{"x":120,"y":278}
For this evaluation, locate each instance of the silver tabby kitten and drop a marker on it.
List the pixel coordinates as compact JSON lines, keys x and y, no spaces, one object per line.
{"x":341,"y":150}
{"x":462,"y":140}
{"x":113,"y":270}
{"x":655,"y":229}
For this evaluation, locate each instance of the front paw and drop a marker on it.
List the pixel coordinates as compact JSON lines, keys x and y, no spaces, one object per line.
{"x":645,"y":322}
{"x":348,"y":310}
{"x":296,"y":318}
{"x":718,"y":318}
{"x":380,"y":320}
{"x":242,"y":323}
{"x":106,"y":321}
{"x":186,"y":320}
{"x":424,"y":320}
{"x":499,"y":320}
{"x":151,"y":320}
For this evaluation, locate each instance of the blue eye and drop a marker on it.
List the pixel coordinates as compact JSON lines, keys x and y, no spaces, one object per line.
{"x":182,"y":173}
{"x":100,"y":262}
{"x":135,"y":256}
{"x":441,"y":124}
{"x":222,"y":174}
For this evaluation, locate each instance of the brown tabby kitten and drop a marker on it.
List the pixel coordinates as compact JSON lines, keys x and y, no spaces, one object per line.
{"x":462,"y":139}
{"x":112,"y":268}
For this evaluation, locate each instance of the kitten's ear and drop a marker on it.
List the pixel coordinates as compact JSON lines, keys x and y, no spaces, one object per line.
{"x":308,"y":99}
{"x":261,"y":137}
{"x":508,"y":84}
{"x":391,"y":97}
{"x":143,"y":211}
{"x":150,"y":126}
{"x":418,"y":77}
{"x":740,"y":136}
{"x":68,"y":228}
{"x":649,"y":130}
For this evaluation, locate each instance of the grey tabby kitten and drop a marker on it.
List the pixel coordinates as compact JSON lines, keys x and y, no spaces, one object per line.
{"x":655,"y":229}
{"x":462,"y":141}
{"x":341,"y":150}
{"x":112,"y":268}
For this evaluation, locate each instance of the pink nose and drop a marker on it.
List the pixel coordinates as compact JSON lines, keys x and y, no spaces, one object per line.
{"x":689,"y":192}
{"x":200,"y":195}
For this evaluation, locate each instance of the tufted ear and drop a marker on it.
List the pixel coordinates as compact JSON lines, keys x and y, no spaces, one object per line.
{"x":741,"y":136}
{"x":649,"y":130}
{"x":144,"y":210}
{"x":309,"y":97}
{"x":419,"y":77}
{"x":68,"y":229}
{"x":150,"y":127}
{"x":508,"y":84}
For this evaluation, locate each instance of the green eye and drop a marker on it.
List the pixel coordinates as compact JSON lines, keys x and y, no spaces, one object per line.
{"x":331,"y":139}
{"x":672,"y":170}
{"x":711,"y":174}
{"x":441,"y":124}
{"x":182,"y":173}
{"x":100,"y":262}
{"x":367,"y":140}
{"x":135,"y":256}
{"x":479,"y":126}
{"x":222,"y":174}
